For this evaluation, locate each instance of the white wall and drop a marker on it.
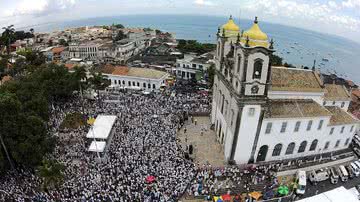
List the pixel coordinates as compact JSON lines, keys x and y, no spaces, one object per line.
{"x":157,"y":82}
{"x":337,"y":135}
{"x":289,"y":136}
{"x":317,"y":96}
{"x":337,"y":104}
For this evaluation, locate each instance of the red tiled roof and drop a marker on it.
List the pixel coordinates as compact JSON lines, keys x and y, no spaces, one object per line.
{"x":121,"y":70}
{"x":356,"y":93}
{"x":58,"y":50}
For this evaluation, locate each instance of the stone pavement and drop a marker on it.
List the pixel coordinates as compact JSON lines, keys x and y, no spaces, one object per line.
{"x":206,"y":148}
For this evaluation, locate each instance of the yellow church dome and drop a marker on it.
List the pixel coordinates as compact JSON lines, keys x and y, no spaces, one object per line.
{"x":255,"y":35}
{"x":230,"y":28}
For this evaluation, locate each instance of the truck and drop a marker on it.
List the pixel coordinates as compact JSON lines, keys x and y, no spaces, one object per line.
{"x":316,"y":176}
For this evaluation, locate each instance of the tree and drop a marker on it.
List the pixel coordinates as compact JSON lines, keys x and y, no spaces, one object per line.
{"x":98,"y":81}
{"x":211,"y":74}
{"x":276,"y":60}
{"x":120,"y":35}
{"x":119,"y":26}
{"x":51,"y":173}
{"x":8,"y":36}
{"x":62,"y":42}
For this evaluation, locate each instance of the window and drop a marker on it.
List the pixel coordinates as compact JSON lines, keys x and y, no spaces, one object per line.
{"x":257,"y":69}
{"x":324,"y":103}
{"x":297,"y":126}
{"x":277,"y":150}
{"x":326,"y":145}
{"x":154,"y":86}
{"x":320,"y":124}
{"x":331,"y":130}
{"x":342,"y":104}
{"x":201,"y":67}
{"x":222,"y":104}
{"x":123,"y":82}
{"x":347,"y":142}
{"x":268,"y":128}
{"x":337,"y":143}
{"x":115,"y":82}
{"x":194,"y":65}
{"x":239,"y":64}
{"x":129,"y":83}
{"x":232,"y":117}
{"x":352,"y":128}
{"x":251,"y":111}
{"x":302,"y":147}
{"x":283,"y":127}
{"x":133,"y":83}
{"x":334,"y":102}
{"x":149,"y":85}
{"x":144,"y":85}
{"x":290,"y":148}
{"x":309,"y":125}
{"x":138,"y":84}
{"x":342,"y":129}
{"x":313,"y":145}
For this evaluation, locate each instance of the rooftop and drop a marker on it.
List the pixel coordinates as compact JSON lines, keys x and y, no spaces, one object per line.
{"x":298,"y":80}
{"x":340,"y":117}
{"x":335,"y":92}
{"x":133,"y":71}
{"x":58,"y":50}
{"x":295,"y":109}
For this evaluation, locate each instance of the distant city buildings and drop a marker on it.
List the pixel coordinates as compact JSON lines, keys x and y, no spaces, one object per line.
{"x":191,"y":65}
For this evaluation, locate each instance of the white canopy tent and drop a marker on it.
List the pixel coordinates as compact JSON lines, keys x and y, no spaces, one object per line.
{"x":102,"y":127}
{"x":97,"y":146}
{"x":339,"y":194}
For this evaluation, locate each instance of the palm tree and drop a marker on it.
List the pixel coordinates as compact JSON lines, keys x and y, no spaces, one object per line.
{"x":51,"y":173}
{"x":8,"y":35}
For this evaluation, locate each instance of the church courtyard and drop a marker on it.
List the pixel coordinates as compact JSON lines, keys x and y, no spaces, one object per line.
{"x":206,"y":149}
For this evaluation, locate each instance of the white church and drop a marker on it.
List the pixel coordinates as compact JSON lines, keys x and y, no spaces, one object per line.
{"x":264,"y":113}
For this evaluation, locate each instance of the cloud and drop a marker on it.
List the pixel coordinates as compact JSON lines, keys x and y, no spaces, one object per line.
{"x":204,"y":3}
{"x":313,"y":12}
{"x":40,"y":7}
{"x":351,"y":4}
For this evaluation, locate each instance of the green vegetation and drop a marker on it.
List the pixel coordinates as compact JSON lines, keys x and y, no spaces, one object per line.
{"x":73,"y":121}
{"x":119,"y":26}
{"x":187,"y":46}
{"x":24,"y":104}
{"x":62,"y":42}
{"x":211,"y":74}
{"x":51,"y":173}
{"x":278,"y":61}
{"x":120,"y":35}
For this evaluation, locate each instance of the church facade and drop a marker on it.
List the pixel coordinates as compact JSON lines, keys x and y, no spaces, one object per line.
{"x":263,"y":113}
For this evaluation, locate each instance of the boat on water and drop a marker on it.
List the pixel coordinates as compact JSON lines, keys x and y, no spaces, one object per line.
{"x":325,"y":60}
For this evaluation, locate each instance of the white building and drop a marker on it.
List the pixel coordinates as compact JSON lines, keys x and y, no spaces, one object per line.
{"x":135,"y":78}
{"x":190,"y":65}
{"x":263,"y":113}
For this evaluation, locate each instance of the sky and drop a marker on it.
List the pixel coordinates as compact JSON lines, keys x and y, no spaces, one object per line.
{"x":337,"y":17}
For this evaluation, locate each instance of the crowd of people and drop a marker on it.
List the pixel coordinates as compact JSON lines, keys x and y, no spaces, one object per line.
{"x":143,"y":143}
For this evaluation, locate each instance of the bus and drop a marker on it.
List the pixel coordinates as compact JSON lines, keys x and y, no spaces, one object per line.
{"x":301,"y":182}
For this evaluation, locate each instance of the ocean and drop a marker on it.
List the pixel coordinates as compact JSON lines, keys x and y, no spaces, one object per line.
{"x":297,"y":46}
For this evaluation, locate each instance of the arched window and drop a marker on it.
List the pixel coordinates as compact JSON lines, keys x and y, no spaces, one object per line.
{"x":154,"y":86}
{"x":144,"y":85}
{"x":129,"y":82}
{"x":262,"y":153}
{"x":313,"y":145}
{"x":277,"y":150}
{"x":290,"y":148}
{"x":302,"y":147}
{"x":239,"y":63}
{"x":257,"y":69}
{"x":149,"y":85}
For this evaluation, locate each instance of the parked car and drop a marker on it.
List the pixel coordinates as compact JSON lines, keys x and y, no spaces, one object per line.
{"x":318,"y":176}
{"x":356,"y":151}
{"x":334,"y":176}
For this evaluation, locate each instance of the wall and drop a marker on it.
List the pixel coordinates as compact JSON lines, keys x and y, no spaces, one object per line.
{"x":157,"y":82}
{"x":338,"y":104}
{"x":275,"y":136}
{"x":317,"y":97}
